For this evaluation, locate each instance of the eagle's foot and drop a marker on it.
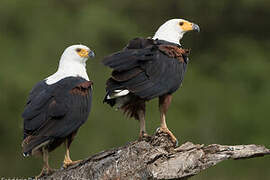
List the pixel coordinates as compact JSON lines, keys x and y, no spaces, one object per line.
{"x":144,"y":136}
{"x":68,"y":163}
{"x":45,"y":172}
{"x":169,"y":133}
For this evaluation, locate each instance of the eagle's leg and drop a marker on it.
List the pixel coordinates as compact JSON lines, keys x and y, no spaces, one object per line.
{"x":141,"y":117}
{"x":67,"y":160}
{"x":164,"y":102}
{"x":143,"y":133}
{"x":46,"y":170}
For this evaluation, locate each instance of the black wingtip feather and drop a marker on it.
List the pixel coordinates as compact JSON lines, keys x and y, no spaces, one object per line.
{"x":111,"y":102}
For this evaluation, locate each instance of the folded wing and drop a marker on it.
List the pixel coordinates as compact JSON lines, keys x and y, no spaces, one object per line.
{"x":147,"y":68}
{"x":55,"y":111}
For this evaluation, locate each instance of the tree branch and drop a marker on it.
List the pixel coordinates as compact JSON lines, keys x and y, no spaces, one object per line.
{"x":156,"y":158}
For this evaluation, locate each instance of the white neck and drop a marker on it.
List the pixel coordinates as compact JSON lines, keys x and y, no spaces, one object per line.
{"x":68,"y":69}
{"x":173,"y":37}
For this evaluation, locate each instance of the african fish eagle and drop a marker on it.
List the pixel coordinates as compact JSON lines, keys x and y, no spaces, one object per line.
{"x":57,"y":106}
{"x":148,"y":68}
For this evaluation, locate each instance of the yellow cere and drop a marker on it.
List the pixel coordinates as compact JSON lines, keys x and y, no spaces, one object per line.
{"x":185,"y":25}
{"x":82,"y":52}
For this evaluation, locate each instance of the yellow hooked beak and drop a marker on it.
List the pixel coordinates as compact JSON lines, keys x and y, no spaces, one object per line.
{"x":85,"y":53}
{"x":188,"y":26}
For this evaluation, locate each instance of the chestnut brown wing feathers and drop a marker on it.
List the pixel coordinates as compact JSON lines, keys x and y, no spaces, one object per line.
{"x":174,"y":52}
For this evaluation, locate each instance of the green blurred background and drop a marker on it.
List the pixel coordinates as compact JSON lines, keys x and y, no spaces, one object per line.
{"x":225,"y":97}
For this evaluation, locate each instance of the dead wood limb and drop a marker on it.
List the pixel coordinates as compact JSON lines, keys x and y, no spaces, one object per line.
{"x":156,"y":158}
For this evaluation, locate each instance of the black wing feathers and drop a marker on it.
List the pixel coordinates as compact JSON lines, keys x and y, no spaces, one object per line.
{"x":57,"y":110}
{"x":126,"y":75}
{"x":38,"y":97}
{"x":147,"y":68}
{"x":127,"y":59}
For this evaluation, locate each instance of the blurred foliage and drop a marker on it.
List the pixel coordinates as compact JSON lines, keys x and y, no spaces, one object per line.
{"x":225,"y":96}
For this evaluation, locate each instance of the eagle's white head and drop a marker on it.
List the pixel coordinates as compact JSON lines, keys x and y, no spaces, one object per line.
{"x":174,"y":29}
{"x":72,"y":63}
{"x":76,"y":54}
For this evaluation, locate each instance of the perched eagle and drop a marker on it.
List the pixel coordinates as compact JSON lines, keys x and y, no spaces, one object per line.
{"x":149,"y":68}
{"x":57,"y":106}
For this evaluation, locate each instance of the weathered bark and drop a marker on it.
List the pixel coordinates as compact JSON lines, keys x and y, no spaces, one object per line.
{"x":156,"y":158}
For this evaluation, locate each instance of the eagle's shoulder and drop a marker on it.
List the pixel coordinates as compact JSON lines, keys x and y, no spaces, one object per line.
{"x":69,"y":83}
{"x":82,"y":88}
{"x":43,"y":94}
{"x":175,"y":52}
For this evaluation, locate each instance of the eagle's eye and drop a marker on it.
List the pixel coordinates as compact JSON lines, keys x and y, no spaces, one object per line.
{"x":181,"y":23}
{"x":78,"y":49}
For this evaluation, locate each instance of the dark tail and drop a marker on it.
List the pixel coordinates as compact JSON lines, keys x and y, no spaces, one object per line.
{"x":31,"y":142}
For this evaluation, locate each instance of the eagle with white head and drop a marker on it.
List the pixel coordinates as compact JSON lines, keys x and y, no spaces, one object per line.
{"x":57,"y":106}
{"x":148,"y":68}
